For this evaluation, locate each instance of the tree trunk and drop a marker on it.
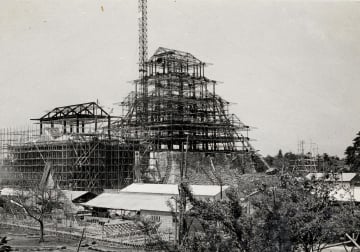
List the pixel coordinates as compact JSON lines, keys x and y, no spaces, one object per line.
{"x":307,"y":249}
{"x":41,"y":222}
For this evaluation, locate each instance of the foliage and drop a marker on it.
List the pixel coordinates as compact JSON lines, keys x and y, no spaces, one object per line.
{"x":301,"y":214}
{"x":270,"y":160}
{"x":295,"y":214}
{"x":324,"y":162}
{"x":155,"y":240}
{"x":222,"y":225}
{"x":352,"y":154}
{"x":330,"y":163}
{"x":3,"y":245}
{"x":2,"y":202}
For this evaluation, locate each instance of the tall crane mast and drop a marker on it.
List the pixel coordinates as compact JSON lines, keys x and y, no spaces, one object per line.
{"x":143,"y":55}
{"x":141,"y":113}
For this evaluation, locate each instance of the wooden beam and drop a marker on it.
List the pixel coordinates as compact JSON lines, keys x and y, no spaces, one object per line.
{"x":353,"y":241}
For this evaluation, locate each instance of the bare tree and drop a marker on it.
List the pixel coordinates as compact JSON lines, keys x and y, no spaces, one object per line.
{"x":37,"y":202}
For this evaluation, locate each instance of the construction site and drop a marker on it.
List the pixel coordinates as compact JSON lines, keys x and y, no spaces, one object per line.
{"x":173,"y":169}
{"x":173,"y":125}
{"x":72,"y":139}
{"x":173,"y":110}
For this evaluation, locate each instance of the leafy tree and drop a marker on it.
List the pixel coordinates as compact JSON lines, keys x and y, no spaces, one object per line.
{"x":155,"y":240}
{"x":270,"y":160}
{"x":290,"y":156}
{"x":279,"y":160}
{"x":289,"y":160}
{"x":352,"y":154}
{"x":329,"y":163}
{"x":219,"y":225}
{"x":292,"y":214}
{"x":301,"y":215}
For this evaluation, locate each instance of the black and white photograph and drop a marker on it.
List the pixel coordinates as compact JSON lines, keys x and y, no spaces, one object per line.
{"x":180,"y":125}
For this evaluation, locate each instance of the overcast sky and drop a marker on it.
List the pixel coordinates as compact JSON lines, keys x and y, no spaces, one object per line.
{"x":290,"y":67}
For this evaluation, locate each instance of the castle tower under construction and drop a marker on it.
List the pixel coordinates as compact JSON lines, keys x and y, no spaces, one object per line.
{"x":173,"y":124}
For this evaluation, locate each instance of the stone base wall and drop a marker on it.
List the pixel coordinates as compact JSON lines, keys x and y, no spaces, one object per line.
{"x":225,"y":167}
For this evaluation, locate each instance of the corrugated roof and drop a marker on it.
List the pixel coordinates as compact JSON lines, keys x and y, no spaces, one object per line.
{"x":172,"y":189}
{"x":131,"y":201}
{"x":341,"y":177}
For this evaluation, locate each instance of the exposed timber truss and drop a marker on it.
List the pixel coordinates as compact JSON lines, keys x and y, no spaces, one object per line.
{"x":76,"y":117}
{"x":75,"y":141}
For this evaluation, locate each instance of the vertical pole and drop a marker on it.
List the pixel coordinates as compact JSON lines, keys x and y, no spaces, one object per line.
{"x":64,"y":127}
{"x":41,"y":128}
{"x":109,"y":122}
{"x":77,"y":125}
{"x":221,"y":191}
{"x":214,"y":111}
{"x":185,"y":160}
{"x":176,"y":222}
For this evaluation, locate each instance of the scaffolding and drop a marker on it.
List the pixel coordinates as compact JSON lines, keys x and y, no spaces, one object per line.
{"x":305,"y":162}
{"x":174,"y":106}
{"x":75,"y":140}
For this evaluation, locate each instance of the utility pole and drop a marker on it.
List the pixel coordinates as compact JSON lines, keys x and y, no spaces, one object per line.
{"x":182,"y":196}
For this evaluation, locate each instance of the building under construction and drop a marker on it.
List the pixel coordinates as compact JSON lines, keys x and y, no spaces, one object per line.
{"x":76,"y":143}
{"x":172,"y":124}
{"x":173,"y":109}
{"x":176,"y":105}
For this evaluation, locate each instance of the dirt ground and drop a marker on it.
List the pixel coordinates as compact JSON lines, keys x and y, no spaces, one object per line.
{"x":27,"y":240}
